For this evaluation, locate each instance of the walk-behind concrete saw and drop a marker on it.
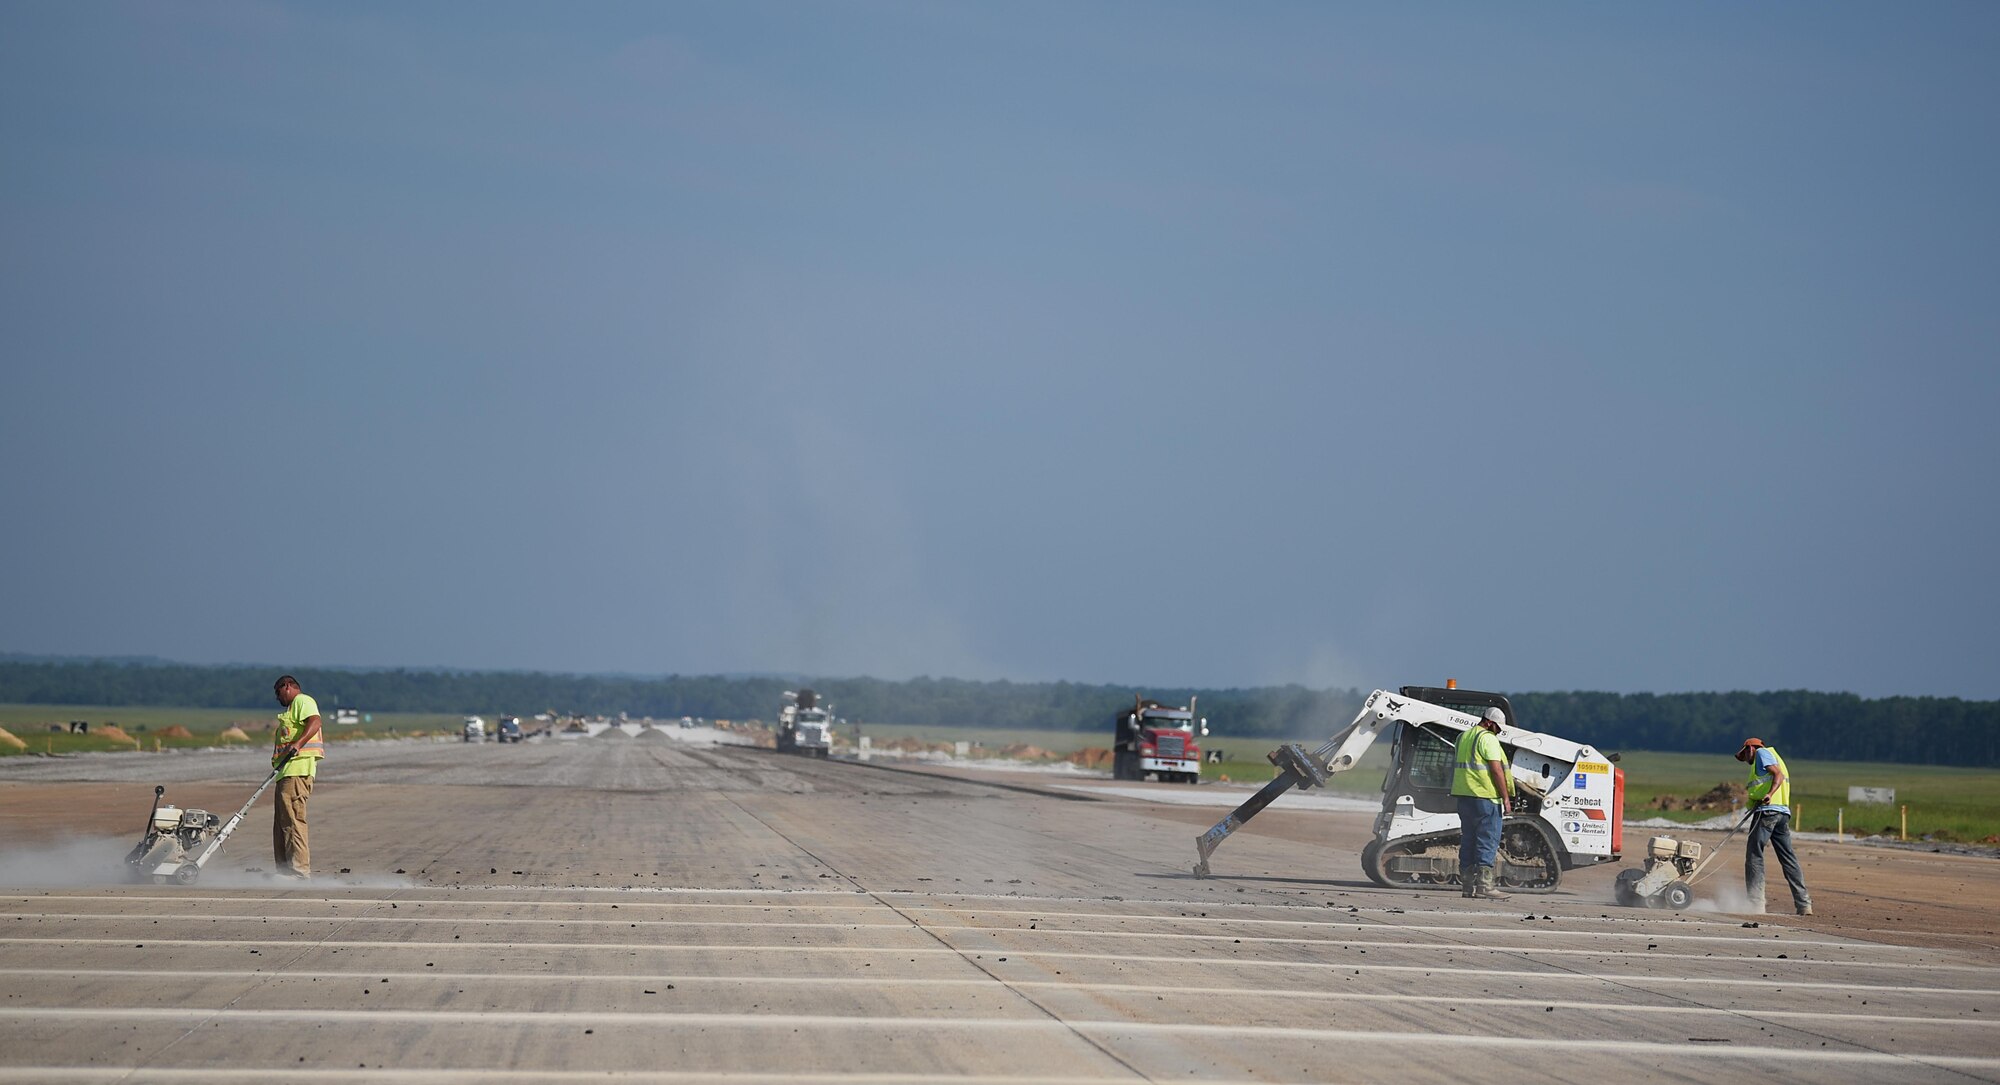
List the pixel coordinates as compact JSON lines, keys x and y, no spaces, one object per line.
{"x":178,"y":843}
{"x":1672,"y":868}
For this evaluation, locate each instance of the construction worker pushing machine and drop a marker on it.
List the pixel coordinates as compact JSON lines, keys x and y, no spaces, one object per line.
{"x":1480,"y":781}
{"x":295,"y":755}
{"x":1770,"y":797}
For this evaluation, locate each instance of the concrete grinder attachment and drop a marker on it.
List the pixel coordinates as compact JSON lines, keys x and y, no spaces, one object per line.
{"x":178,"y":843}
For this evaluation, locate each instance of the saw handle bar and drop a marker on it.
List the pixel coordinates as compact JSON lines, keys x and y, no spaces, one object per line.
{"x":158,"y":790}
{"x":1716,"y":852}
{"x":235,"y":819}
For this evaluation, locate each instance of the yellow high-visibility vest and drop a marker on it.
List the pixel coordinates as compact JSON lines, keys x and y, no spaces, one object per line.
{"x":1469,"y":775}
{"x":1758,"y":789}
{"x":292,"y":724}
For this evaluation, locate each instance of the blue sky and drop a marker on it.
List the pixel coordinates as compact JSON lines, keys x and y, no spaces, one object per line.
{"x":1543,"y":347}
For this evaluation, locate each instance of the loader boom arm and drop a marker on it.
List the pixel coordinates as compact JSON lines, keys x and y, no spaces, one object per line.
{"x":1302,"y":770}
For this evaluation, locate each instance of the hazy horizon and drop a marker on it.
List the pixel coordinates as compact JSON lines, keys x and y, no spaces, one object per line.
{"x":1546,"y":348}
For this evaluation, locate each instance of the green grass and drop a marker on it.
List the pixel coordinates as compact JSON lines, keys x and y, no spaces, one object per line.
{"x":31,"y":724}
{"x":1945,"y":802}
{"x":1950,"y":803}
{"x":1243,"y":758}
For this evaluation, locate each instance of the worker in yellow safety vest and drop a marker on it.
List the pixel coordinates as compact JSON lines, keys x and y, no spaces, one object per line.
{"x":1480,"y":781}
{"x":1770,"y":797}
{"x":295,"y":756}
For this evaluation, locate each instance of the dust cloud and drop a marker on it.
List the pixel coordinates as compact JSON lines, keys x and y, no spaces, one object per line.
{"x":99,"y":862}
{"x":1723,"y":892}
{"x":65,"y":863}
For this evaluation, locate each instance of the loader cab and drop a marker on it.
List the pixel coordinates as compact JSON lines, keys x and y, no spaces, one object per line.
{"x":1421,"y":760}
{"x":1422,"y":756}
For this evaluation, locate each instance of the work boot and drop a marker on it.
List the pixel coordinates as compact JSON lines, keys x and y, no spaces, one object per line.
{"x":1488,"y":887}
{"x":1806,"y":908}
{"x":1468,"y":881}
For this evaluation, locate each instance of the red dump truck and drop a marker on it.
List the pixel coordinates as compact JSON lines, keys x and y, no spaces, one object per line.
{"x":1150,"y":737}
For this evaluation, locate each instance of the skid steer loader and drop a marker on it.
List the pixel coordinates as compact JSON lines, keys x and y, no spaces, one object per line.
{"x":1569,"y":808}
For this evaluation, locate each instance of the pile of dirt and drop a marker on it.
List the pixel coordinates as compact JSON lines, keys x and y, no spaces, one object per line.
{"x":233,"y":734}
{"x":612,"y":732}
{"x":1091,"y":757}
{"x":1721,"y":797}
{"x":115,"y":733}
{"x":1025,"y":752}
{"x":651,"y":734}
{"x":8,"y":740}
{"x":176,"y":731}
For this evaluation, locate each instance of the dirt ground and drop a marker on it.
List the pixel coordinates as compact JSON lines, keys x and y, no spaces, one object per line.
{"x":562,"y":911}
{"x":1902,"y":895}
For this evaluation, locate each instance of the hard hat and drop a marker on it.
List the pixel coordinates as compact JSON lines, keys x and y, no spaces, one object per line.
{"x":1498,"y":717}
{"x":1748,"y":745}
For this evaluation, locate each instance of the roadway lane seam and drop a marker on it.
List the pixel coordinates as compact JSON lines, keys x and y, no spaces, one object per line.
{"x":947,"y":947}
{"x":227,"y":1007}
{"x":1308,"y":994}
{"x":1565,"y":976}
{"x":1667,"y":1052}
{"x":1456,"y":947}
{"x":1512,"y":930}
{"x":1824,"y":1039}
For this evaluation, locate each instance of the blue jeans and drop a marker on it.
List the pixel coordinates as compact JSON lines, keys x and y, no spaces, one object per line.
{"x":1775,"y":827}
{"x":1478,"y":831}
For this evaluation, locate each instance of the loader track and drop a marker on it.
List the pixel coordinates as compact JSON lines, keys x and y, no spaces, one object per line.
{"x":1530,"y":862}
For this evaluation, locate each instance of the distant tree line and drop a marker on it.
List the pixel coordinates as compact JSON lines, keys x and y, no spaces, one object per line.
{"x":1835,"y":726}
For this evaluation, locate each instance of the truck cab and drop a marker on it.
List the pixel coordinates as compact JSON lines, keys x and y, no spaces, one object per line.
{"x":1159,"y":739}
{"x":805,"y":724}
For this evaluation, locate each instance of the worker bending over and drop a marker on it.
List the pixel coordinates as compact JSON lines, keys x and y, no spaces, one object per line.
{"x":1770,"y":796}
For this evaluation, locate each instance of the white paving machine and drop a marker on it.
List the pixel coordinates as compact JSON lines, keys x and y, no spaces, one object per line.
{"x":178,"y":843}
{"x":1570,"y":800}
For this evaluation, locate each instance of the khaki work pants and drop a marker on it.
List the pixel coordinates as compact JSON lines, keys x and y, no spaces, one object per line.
{"x":288,"y":825}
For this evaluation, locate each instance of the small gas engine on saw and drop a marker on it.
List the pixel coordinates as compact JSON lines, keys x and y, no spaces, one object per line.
{"x":1672,"y":867}
{"x":178,"y":843}
{"x":1663,"y":883}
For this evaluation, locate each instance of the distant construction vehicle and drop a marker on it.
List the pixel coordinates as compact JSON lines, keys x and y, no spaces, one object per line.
{"x":1569,"y":808}
{"x":1150,"y":737}
{"x":805,"y":725}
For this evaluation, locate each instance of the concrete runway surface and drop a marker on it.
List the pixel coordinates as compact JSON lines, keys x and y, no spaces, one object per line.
{"x":647,"y":910}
